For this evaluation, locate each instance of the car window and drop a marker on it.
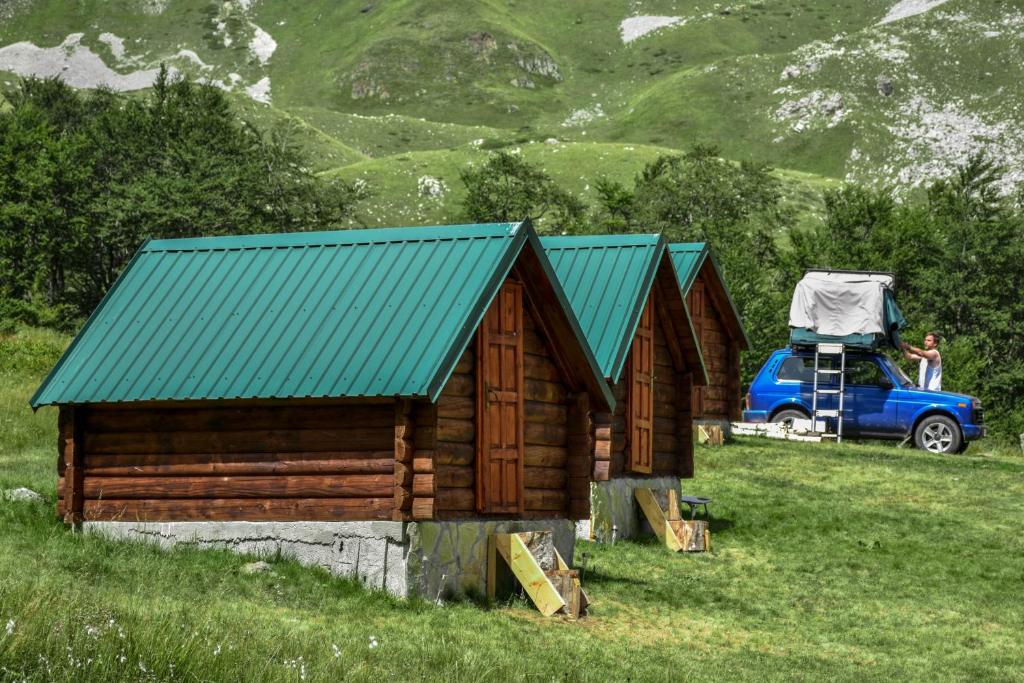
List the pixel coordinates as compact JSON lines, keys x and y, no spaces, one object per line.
{"x":801,"y":369}
{"x":864,"y":372}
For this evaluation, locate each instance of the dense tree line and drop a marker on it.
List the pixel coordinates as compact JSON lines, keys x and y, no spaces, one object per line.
{"x":86,"y":177}
{"x":957,"y":252}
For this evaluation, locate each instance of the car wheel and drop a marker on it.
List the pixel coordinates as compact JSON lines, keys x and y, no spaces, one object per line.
{"x":938,"y":434}
{"x":786,"y":417}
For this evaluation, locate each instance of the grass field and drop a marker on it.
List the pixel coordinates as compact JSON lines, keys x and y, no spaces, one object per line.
{"x":852,"y":563}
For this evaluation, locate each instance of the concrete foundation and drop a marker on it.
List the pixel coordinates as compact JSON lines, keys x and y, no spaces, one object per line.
{"x":614,"y":510}
{"x":432,"y":559}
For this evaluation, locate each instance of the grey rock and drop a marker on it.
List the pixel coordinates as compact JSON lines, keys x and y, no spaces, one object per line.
{"x":260,"y":567}
{"x":23,"y":495}
{"x":884,"y":85}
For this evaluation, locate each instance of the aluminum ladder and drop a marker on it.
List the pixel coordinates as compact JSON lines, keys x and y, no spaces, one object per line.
{"x":829,"y":351}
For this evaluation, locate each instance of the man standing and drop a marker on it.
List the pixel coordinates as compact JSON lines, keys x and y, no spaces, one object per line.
{"x":929,"y":372}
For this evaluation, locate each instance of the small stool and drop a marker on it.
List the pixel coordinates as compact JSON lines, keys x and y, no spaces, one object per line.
{"x":695,"y":502}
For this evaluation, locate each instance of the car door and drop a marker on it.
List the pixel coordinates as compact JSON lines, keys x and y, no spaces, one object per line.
{"x":795,"y":383}
{"x":871,"y":402}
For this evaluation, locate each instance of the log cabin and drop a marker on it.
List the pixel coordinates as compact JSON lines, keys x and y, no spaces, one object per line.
{"x":372,"y":401}
{"x":626,"y":295}
{"x":720,"y":329}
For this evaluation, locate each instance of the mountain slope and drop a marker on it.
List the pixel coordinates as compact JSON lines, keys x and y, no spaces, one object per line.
{"x":878,"y":91}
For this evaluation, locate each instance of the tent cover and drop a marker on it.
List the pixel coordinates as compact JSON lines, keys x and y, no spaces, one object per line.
{"x":855,"y":309}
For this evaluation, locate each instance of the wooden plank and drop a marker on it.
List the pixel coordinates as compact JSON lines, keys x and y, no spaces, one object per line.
{"x":538,"y":434}
{"x":665,"y":443}
{"x":466,"y":362}
{"x":546,"y":478}
{"x":70,"y":422}
{"x":448,"y":453}
{"x":579,"y":467}
{"x":546,"y":456}
{"x":455,"y":499}
{"x":545,"y":413}
{"x":546,"y":392}
{"x":460,"y":385}
{"x":584,"y":598}
{"x":404,"y":431}
{"x":423,"y":486}
{"x":346,"y":486}
{"x":674,"y":511}
{"x":546,"y":499}
{"x":425,"y":436}
{"x":423,"y":462}
{"x":684,"y":424}
{"x":526,"y":570}
{"x":540,"y":367}
{"x":455,"y":476}
{"x":423,"y":508}
{"x":692,"y":535}
{"x":663,"y":463}
{"x":579,"y":487}
{"x":455,"y":430}
{"x":656,"y":518}
{"x":457,"y":407}
{"x":579,"y":508}
{"x":371,"y":438}
{"x":236,"y":419}
{"x":280,"y":467}
{"x":98,"y":460}
{"x":403,"y":473}
{"x":288,"y":509}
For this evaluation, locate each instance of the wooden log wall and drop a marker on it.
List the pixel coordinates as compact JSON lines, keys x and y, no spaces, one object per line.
{"x":721,"y":398}
{"x":330,"y":461}
{"x":547,"y":402}
{"x":672,"y":423}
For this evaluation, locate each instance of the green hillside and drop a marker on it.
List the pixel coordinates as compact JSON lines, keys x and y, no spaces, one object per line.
{"x":877,"y":91}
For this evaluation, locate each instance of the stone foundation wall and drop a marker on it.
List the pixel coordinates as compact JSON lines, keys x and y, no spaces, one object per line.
{"x":449,"y":559}
{"x":613,"y":506}
{"x":374,"y":552}
{"x":432,"y":559}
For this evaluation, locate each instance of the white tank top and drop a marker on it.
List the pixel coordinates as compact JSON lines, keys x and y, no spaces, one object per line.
{"x":929,"y":373}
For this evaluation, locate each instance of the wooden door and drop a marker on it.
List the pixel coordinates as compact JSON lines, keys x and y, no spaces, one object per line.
{"x":640,"y":411}
{"x":500,"y":404}
{"x":695,"y":301}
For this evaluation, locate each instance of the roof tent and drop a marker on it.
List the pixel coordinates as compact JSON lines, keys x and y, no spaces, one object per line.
{"x":854,"y":308}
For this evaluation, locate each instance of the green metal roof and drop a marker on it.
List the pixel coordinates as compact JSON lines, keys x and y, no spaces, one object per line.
{"x":688,"y":257}
{"x":383,"y":312}
{"x":607,"y":279}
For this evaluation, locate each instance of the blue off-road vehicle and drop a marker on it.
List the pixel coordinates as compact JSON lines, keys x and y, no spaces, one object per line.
{"x":834,"y":375}
{"x":880,"y":401}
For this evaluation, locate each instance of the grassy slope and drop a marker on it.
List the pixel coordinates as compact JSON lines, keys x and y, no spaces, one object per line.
{"x":716,"y":79}
{"x":854,"y":563}
{"x":576,"y":166}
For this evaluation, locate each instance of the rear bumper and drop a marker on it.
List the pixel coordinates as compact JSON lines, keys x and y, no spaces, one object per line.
{"x":973,"y":432}
{"x":755,"y":415}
